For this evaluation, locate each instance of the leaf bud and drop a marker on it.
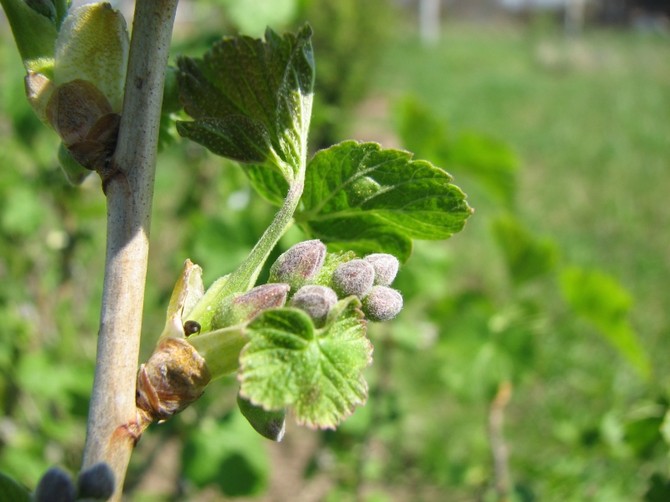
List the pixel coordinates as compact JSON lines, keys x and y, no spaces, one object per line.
{"x":382,"y":303}
{"x":386,"y":267}
{"x":245,"y":307}
{"x":96,"y":482}
{"x":299,"y":263}
{"x":269,"y":424}
{"x":55,"y":486}
{"x":316,"y":301}
{"x":354,"y":277}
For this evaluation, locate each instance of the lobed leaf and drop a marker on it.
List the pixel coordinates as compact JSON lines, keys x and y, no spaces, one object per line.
{"x":316,"y":372}
{"x":361,"y":197}
{"x":252,"y":99}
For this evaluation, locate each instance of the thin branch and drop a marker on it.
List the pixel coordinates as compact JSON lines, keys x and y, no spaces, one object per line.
{"x":499,"y":448}
{"x":112,"y":432}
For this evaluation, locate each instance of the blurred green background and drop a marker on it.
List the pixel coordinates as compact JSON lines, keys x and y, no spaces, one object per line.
{"x":531,"y":360}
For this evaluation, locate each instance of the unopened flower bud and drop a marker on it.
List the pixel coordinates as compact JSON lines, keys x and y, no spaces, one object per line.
{"x":316,"y":301}
{"x":96,"y":482}
{"x":55,"y":486}
{"x":245,"y":307}
{"x":354,"y":277}
{"x":382,"y":303}
{"x":299,"y":264}
{"x":386,"y":267}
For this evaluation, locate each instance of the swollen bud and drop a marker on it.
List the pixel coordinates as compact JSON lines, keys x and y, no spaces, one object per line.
{"x":382,"y":303}
{"x":55,"y":486}
{"x":299,"y":264}
{"x":96,"y":482}
{"x":354,"y":277}
{"x":386,"y":267}
{"x":245,"y":307}
{"x":316,"y":301}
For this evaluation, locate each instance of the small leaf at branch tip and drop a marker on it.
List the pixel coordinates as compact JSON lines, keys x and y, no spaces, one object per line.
{"x":382,"y":304}
{"x":386,"y":267}
{"x":55,"y":486}
{"x":316,"y":301}
{"x":354,"y":277}
{"x":299,"y":263}
{"x":96,"y":483}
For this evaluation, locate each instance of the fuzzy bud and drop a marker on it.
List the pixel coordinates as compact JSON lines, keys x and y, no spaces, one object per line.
{"x":386,"y":267}
{"x":245,"y":307}
{"x":55,"y":486}
{"x":382,"y":303}
{"x":354,"y":277}
{"x":96,"y":482}
{"x":316,"y":301}
{"x":299,"y":264}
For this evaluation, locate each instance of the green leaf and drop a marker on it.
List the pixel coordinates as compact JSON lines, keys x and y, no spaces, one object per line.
{"x":316,"y":372}
{"x":12,"y":490}
{"x":252,"y":99}
{"x":361,"y":197}
{"x":603,"y":301}
{"x":35,"y":34}
{"x":527,"y":256}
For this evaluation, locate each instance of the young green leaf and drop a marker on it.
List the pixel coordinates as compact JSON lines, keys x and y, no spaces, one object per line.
{"x":361,"y":197}
{"x":288,"y":362}
{"x":603,"y":301}
{"x":12,"y":489}
{"x":252,"y":100}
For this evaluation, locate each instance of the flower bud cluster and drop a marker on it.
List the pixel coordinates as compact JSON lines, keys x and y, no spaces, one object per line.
{"x":95,"y":483}
{"x":316,"y":288}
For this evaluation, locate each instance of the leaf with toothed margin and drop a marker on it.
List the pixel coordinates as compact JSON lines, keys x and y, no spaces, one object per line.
{"x":361,"y":197}
{"x":251,"y":100}
{"x":316,"y":372}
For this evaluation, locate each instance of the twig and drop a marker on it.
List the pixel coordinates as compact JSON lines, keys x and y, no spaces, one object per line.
{"x":499,"y":448}
{"x":112,"y":415}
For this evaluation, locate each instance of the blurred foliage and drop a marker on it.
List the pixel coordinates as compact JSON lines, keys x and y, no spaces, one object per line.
{"x":562,"y":265}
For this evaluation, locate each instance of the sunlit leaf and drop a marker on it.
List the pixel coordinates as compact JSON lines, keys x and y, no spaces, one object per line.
{"x":289,"y":363}
{"x":361,"y":197}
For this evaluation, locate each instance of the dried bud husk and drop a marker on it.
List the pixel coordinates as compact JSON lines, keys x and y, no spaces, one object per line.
{"x":316,"y":301}
{"x":382,"y":304}
{"x":55,"y":486}
{"x":38,"y":91}
{"x":386,"y":267}
{"x":269,"y":424}
{"x":174,"y":376}
{"x":299,"y":263}
{"x":245,"y":307}
{"x":83,"y":118}
{"x":354,"y":277}
{"x":96,"y":482}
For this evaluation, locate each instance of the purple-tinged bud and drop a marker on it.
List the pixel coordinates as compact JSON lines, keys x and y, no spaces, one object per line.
{"x":245,"y":307}
{"x":354,"y":277}
{"x":386,"y":267}
{"x":96,"y":482}
{"x":316,"y":301}
{"x":55,"y":486}
{"x":299,"y":264}
{"x":382,"y":303}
